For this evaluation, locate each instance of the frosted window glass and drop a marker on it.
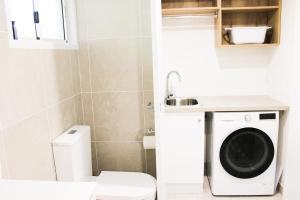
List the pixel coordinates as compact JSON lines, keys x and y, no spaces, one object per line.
{"x":21,"y":11}
{"x":51,"y":19}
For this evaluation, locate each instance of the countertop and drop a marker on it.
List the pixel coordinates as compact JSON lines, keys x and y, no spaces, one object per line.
{"x":230,"y":103}
{"x":43,"y":190}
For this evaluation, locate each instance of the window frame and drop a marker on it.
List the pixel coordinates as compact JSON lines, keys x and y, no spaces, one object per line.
{"x":70,"y":27}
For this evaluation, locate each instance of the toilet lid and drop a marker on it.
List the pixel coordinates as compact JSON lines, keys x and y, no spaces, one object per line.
{"x":125,"y":185}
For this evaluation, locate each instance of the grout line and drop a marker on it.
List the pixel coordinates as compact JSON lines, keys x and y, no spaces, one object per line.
{"x":75,"y":109}
{"x":146,"y":161}
{"x":118,"y":91}
{"x":120,"y":142}
{"x":80,"y":81}
{"x":75,"y":114}
{"x":91,"y":87}
{"x":50,"y":135}
{"x":141,"y":64}
{"x":50,"y":128}
{"x":72,"y":73}
{"x":38,"y":112}
{"x":119,"y":38}
{"x":91,"y":96}
{"x":5,"y":157}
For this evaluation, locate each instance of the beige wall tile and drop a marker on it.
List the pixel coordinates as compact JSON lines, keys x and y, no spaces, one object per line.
{"x":3,"y":26}
{"x":78,"y":109}
{"x":146,"y":62}
{"x":30,"y":82}
{"x":87,"y":103}
{"x":3,"y":162}
{"x":94,"y":159}
{"x":115,"y":61}
{"x":75,"y":72}
{"x":151,"y":162}
{"x":59,"y":75}
{"x":115,"y":65}
{"x":62,"y":117}
{"x":145,"y":19}
{"x":88,"y":120}
{"x":3,"y":39}
{"x":85,"y":76}
{"x":96,"y":172}
{"x":28,"y":149}
{"x":112,"y":18}
{"x":149,"y":113}
{"x":22,"y":83}
{"x":88,"y":117}
{"x":118,"y":116}
{"x":115,"y":156}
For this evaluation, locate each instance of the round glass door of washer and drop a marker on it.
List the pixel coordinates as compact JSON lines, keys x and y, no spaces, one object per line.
{"x":247,"y":153}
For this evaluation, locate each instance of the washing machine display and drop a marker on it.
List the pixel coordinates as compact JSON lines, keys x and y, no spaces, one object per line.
{"x":247,"y":153}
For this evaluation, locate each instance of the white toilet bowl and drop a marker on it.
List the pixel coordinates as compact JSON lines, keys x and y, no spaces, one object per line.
{"x":125,"y":186}
{"x":72,"y":155}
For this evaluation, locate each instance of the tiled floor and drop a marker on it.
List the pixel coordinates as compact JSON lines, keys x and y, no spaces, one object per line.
{"x":208,"y":196}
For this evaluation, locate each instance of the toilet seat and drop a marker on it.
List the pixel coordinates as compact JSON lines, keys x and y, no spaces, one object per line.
{"x":125,"y":186}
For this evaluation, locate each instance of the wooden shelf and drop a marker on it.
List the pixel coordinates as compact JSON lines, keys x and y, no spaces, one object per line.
{"x":249,"y":3}
{"x":232,"y":13}
{"x":263,"y":17}
{"x":249,"y":45}
{"x":189,"y":11}
{"x":250,"y":9}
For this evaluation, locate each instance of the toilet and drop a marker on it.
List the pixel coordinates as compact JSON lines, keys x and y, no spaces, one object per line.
{"x":73,"y":162}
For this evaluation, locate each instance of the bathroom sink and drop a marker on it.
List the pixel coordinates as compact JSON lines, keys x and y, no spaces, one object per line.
{"x":181,"y":102}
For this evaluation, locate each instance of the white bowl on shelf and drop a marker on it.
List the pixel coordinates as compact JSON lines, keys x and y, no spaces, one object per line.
{"x":247,"y":35}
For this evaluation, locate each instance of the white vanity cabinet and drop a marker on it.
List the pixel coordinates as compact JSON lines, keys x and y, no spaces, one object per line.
{"x":182,"y":139}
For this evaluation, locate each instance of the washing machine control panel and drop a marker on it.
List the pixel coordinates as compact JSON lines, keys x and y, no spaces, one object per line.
{"x":247,"y":118}
{"x":267,"y":116}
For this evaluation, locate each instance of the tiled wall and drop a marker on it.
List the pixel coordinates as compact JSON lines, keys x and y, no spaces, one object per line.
{"x":116,"y":79}
{"x":39,"y":99}
{"x":44,"y":92}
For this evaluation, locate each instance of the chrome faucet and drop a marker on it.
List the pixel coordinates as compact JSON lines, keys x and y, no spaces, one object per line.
{"x":168,"y":93}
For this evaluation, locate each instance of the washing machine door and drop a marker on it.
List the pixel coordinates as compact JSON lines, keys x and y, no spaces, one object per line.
{"x":247,"y":153}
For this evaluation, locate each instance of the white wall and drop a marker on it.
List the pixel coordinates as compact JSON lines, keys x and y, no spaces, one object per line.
{"x":189,"y":47}
{"x":280,"y":73}
{"x":292,"y":175}
{"x":283,"y":84}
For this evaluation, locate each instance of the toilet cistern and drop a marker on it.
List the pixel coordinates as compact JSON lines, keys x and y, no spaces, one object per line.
{"x":169,"y":94}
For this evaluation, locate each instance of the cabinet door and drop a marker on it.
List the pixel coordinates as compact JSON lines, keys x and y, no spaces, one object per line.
{"x":183,"y":147}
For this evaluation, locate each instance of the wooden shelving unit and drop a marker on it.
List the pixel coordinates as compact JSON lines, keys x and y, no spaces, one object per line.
{"x":250,"y":13}
{"x":189,"y":11}
{"x":249,"y":3}
{"x":188,"y":7}
{"x":232,"y":13}
{"x":250,"y":9}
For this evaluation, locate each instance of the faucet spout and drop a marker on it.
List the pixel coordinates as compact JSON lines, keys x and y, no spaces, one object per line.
{"x":168,"y":93}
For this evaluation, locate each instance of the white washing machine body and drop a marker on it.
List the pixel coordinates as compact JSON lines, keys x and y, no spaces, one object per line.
{"x":242,"y":152}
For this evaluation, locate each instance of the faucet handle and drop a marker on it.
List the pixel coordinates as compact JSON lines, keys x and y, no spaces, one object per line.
{"x":150,"y":106}
{"x":170,"y":96}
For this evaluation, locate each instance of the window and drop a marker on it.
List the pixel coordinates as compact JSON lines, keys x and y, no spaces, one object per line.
{"x":42,"y":23}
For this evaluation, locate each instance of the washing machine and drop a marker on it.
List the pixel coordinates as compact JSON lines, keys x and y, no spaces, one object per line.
{"x":242,"y":152}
